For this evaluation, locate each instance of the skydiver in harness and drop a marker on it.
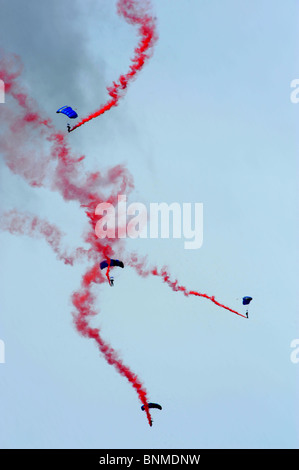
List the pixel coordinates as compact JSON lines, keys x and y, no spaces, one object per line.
{"x":111,"y":281}
{"x":68,"y":128}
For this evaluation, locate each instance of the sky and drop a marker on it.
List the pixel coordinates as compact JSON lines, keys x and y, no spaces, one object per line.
{"x":209,"y":119}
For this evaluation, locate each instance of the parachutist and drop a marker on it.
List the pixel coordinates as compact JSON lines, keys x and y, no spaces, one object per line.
{"x":109,"y":263}
{"x":149,"y":406}
{"x":246,"y":313}
{"x":68,"y":128}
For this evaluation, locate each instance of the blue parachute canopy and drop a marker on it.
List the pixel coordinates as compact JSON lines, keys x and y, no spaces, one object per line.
{"x":113,"y":262}
{"x":68,"y":111}
{"x":247,"y":300}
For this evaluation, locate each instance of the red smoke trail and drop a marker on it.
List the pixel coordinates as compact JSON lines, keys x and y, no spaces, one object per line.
{"x":18,"y":223}
{"x":138,"y":265}
{"x":108,"y":270}
{"x":24,"y":130}
{"x":134,"y":13}
{"x":26,"y":224}
{"x":83,"y":300}
{"x":178,"y":288}
{"x":34,"y":150}
{"x":174,"y":285}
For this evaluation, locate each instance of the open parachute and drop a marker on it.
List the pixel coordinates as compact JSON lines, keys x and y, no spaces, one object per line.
{"x":247,"y":300}
{"x":68,"y":111}
{"x":152,"y":405}
{"x":112,"y":262}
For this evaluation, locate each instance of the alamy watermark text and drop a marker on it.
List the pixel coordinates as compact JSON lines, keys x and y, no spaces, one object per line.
{"x":295,"y":351}
{"x":186,"y":220}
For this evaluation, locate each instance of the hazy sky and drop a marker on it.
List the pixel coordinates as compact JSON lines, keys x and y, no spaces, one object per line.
{"x":210,"y":120}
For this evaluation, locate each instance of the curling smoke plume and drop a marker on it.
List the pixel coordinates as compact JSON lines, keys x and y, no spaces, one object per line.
{"x":24,"y":129}
{"x":18,"y":223}
{"x":136,"y":14}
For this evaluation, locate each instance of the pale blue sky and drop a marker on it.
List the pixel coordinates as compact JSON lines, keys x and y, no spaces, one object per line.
{"x":209,"y":120}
